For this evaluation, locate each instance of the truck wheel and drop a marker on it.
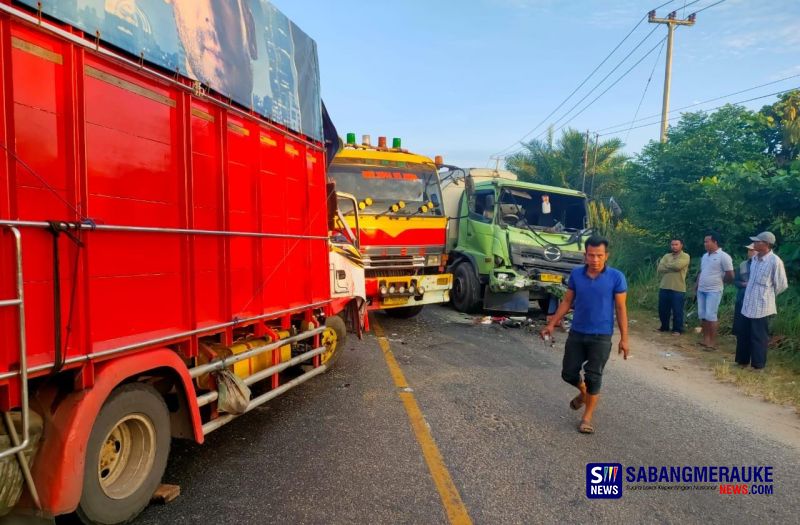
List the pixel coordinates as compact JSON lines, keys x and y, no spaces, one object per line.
{"x":126,"y":455}
{"x":334,"y":339}
{"x":405,"y":312}
{"x":466,"y":289}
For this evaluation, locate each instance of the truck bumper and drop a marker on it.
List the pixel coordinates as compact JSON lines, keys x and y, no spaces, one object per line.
{"x":436,"y":290}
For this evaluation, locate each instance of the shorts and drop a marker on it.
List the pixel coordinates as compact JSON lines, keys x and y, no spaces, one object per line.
{"x":708,"y":305}
{"x":587,"y":352}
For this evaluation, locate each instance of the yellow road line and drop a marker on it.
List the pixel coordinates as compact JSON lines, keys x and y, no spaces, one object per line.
{"x":451,"y":499}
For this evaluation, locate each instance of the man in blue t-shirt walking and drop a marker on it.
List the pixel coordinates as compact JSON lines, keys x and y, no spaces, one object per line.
{"x":595,"y":291}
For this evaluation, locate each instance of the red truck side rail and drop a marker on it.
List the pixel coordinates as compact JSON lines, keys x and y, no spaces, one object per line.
{"x":152,"y":216}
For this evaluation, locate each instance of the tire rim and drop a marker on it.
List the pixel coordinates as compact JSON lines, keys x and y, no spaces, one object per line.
{"x":126,"y":456}
{"x":458,"y":288}
{"x":329,"y":340}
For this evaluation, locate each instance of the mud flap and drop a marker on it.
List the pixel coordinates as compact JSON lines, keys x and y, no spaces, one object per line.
{"x":506,"y":301}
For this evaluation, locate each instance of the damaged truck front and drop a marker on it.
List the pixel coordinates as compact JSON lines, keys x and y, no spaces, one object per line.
{"x":510,"y":243}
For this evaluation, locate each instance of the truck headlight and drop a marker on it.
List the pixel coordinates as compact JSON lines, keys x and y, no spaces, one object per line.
{"x":502,"y":276}
{"x":392,"y":289}
{"x":433,"y":260}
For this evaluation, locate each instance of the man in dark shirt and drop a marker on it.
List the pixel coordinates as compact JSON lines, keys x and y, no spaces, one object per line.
{"x":596,"y":292}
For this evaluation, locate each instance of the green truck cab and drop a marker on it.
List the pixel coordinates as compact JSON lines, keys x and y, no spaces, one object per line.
{"x":511,"y":244}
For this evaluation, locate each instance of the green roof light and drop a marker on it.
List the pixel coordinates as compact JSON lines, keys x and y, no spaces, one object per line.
{"x":396,"y":143}
{"x":351,"y":139}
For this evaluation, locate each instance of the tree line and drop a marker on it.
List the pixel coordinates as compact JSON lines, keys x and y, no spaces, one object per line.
{"x":734,"y":171}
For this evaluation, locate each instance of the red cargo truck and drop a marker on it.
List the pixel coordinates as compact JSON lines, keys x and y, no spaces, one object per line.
{"x":165,"y":242}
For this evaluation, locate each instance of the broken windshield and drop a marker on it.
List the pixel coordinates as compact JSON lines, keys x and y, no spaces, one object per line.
{"x":524,"y":208}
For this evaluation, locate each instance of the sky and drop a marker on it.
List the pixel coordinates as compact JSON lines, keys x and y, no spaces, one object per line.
{"x":468,"y":79}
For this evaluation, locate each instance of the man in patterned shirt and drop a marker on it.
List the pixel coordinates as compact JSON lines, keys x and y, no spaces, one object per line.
{"x":767,"y":280}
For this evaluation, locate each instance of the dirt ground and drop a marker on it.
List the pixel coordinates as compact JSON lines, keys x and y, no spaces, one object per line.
{"x":677,"y":363}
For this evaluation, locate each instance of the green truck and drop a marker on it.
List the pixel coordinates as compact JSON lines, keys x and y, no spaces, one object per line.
{"x":511,"y":244}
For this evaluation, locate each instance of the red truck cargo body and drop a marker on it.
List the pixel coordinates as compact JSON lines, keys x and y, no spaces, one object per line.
{"x":90,"y":138}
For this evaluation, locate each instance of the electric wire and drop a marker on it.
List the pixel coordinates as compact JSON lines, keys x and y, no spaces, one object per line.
{"x":587,"y":106}
{"x":583,"y":82}
{"x":712,"y":109}
{"x":646,"y":87}
{"x":623,"y":124}
{"x":709,"y":6}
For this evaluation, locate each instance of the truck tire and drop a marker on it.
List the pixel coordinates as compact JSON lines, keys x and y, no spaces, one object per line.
{"x":126,"y":455}
{"x":336,"y":338}
{"x":465,"y":294}
{"x":405,"y":312}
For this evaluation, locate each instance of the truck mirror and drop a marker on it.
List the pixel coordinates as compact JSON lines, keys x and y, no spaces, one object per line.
{"x":490,"y":202}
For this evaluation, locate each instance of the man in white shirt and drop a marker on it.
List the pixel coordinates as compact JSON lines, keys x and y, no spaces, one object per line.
{"x":766,"y":281}
{"x":716,"y":269}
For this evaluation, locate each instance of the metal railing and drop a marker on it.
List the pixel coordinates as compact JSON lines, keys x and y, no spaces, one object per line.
{"x":19,"y":302}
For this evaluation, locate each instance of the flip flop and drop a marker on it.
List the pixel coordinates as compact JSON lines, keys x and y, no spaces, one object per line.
{"x":585,"y":428}
{"x":576,"y":403}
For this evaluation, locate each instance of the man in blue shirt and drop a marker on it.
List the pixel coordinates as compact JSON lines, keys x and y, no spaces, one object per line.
{"x":596,"y":292}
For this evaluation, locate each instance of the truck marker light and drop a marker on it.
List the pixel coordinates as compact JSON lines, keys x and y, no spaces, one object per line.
{"x":402,"y":204}
{"x":369,"y":201}
{"x":381,"y":142}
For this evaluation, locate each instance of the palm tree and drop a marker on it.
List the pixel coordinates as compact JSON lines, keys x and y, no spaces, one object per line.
{"x":561,"y":164}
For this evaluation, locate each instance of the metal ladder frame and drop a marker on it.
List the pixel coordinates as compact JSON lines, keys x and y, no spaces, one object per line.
{"x":19,"y":302}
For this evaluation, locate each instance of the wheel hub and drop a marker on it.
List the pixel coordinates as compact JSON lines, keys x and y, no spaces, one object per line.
{"x":127,"y":456}
{"x":329,"y":340}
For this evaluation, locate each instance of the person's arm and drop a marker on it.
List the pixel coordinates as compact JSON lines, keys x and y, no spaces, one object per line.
{"x":739,"y":282}
{"x":563,"y":309}
{"x":780,"y":280}
{"x":727,"y":267}
{"x":662,"y":266}
{"x":620,"y":304}
{"x":681,"y":262}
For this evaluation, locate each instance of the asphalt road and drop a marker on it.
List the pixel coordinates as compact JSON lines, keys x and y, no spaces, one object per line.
{"x":341,"y":449}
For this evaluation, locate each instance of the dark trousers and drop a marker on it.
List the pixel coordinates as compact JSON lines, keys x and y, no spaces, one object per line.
{"x":671,"y":302}
{"x":589,"y":352}
{"x":752,"y":338}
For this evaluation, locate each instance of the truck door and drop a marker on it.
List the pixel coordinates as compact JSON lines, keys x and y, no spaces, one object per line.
{"x":479,"y":229}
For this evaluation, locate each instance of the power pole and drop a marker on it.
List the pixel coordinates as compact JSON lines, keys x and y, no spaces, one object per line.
{"x":585,"y":161}
{"x":671,"y":21}
{"x":594,"y":163}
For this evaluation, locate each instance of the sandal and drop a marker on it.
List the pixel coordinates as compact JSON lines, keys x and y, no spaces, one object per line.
{"x":576,"y":403}
{"x":585,"y":428}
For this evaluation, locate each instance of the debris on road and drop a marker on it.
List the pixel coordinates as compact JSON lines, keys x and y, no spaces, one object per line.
{"x":166,"y":493}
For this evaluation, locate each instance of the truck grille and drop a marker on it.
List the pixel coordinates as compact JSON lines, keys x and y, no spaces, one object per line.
{"x":392,"y":262}
{"x":529,"y":257}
